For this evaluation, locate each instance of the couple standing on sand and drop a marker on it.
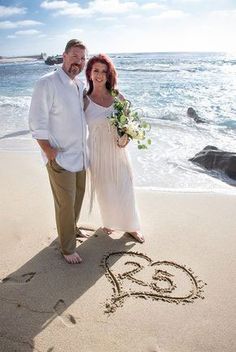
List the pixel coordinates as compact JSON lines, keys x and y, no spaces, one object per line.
{"x":59,"y":114}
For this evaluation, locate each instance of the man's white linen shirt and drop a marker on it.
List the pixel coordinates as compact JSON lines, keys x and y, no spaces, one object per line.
{"x":56,"y":114}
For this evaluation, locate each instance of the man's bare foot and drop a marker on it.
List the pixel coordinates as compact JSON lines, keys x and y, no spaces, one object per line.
{"x":107,"y":230}
{"x":137,"y":236}
{"x":73,"y":258}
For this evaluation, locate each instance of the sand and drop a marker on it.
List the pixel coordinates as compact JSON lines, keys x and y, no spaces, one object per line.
{"x":175,"y":292}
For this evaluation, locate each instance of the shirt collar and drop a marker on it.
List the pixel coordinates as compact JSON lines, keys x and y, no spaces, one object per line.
{"x":67,"y":80}
{"x":64,"y":77}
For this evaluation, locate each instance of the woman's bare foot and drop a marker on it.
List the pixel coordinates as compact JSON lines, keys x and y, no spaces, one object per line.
{"x":137,"y":236}
{"x":107,"y":230}
{"x":73,"y":258}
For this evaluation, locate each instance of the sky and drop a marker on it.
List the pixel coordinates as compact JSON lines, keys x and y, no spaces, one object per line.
{"x":29,"y":27}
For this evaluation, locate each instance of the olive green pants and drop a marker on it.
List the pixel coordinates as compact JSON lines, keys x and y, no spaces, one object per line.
{"x":68,"y":193}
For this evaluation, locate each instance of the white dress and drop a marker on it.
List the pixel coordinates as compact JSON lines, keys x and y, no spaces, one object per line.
{"x":110,"y":171}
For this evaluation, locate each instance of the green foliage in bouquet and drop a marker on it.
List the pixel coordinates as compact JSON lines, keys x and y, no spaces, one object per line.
{"x":128,"y":121}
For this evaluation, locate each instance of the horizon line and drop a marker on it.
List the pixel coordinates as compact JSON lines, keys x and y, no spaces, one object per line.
{"x":124,"y":52}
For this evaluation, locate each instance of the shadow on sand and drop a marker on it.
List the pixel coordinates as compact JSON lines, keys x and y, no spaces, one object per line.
{"x":15,"y":134}
{"x":44,"y":287}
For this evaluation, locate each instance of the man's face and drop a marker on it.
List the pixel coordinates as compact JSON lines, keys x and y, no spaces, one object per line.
{"x":74,"y":61}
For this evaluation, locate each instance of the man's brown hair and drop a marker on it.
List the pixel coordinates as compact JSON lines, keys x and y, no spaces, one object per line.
{"x":74,"y":43}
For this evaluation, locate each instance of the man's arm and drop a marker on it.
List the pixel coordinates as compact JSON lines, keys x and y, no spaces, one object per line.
{"x":41,"y":103}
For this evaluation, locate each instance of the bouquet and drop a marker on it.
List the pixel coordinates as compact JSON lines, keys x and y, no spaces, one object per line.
{"x":129,"y":124}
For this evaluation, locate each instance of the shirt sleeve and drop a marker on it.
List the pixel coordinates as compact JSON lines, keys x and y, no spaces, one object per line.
{"x":41,"y":104}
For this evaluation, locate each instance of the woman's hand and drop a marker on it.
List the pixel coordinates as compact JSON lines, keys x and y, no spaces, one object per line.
{"x":123,"y":141}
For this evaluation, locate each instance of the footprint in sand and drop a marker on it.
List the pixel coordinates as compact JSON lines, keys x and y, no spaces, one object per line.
{"x":21,"y":279}
{"x":67,"y":319}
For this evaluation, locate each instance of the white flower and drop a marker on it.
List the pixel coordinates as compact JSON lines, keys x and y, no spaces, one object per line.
{"x":129,"y":122}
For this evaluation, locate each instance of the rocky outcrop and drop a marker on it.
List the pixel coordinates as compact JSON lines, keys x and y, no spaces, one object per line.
{"x":52,"y":60}
{"x":212,"y":158}
{"x":193,"y":115}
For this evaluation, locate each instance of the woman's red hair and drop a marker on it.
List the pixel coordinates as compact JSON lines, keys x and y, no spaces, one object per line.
{"x":111,"y":71}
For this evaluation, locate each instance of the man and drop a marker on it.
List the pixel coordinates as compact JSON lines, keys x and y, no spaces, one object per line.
{"x":56,"y":121}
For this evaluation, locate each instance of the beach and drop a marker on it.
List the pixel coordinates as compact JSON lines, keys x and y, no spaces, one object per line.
{"x":174,"y":293}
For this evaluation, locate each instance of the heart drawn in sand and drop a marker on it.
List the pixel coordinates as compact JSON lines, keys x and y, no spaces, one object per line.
{"x":133,"y":274}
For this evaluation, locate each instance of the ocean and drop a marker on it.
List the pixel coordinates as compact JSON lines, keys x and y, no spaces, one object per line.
{"x":161,"y":86}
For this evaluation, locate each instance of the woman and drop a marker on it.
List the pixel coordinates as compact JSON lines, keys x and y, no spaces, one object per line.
{"x":111,"y":176}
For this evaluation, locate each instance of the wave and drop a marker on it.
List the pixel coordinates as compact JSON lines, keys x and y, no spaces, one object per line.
{"x":228,"y":124}
{"x":170,"y":70}
{"x":14,"y":102}
{"x":179,"y":119}
{"x":146,"y":70}
{"x":21,"y":63}
{"x":231,"y":62}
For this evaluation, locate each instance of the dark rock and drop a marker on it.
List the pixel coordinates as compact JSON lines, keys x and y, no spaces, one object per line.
{"x":52,"y":60}
{"x":212,"y":158}
{"x":193,"y":115}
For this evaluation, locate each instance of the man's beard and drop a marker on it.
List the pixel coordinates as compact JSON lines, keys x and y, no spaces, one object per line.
{"x":74,"y":69}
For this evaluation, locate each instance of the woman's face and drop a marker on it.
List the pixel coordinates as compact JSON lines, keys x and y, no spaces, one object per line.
{"x":99,"y":74}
